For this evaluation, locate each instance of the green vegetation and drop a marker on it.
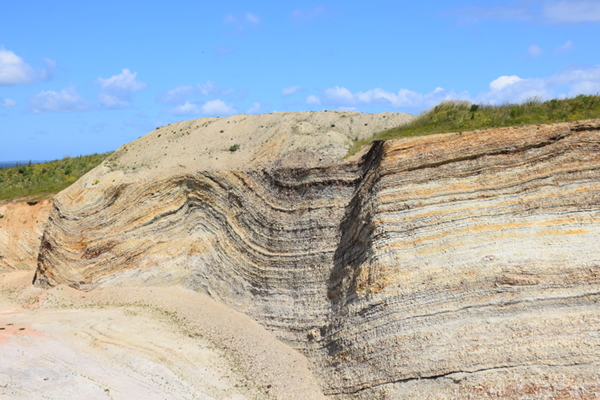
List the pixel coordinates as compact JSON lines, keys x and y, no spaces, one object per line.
{"x":39,"y":180}
{"x":460,"y":116}
{"x":233,"y":148}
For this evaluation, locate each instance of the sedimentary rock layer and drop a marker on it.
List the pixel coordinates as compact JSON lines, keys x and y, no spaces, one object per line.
{"x":462,"y":264}
{"x":21,"y":227}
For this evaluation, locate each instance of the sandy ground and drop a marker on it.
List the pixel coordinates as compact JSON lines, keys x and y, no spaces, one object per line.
{"x":138,"y":343}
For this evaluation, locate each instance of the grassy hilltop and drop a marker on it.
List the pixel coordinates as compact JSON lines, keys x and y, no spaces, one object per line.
{"x":460,"y":116}
{"x":39,"y":180}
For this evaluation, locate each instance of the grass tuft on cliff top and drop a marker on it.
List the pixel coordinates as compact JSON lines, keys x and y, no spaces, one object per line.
{"x":41,"y":180}
{"x":460,"y":116}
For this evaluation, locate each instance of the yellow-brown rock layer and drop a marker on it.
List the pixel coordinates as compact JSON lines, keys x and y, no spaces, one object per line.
{"x":21,"y":227}
{"x":449,"y":266}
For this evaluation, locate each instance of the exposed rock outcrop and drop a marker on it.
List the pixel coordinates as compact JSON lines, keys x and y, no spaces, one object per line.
{"x":21,"y":228}
{"x":461,"y":265}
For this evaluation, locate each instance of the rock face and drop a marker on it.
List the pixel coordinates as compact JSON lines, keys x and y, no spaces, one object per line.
{"x":21,"y":228}
{"x":450,"y":266}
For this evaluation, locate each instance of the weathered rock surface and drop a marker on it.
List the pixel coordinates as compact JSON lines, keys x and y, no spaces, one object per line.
{"x":21,"y":228}
{"x":450,"y":266}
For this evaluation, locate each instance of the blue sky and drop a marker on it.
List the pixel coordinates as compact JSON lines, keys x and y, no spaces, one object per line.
{"x":83,"y":77}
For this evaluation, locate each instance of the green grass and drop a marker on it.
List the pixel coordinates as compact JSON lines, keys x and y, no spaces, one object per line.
{"x":40,"y":180}
{"x":460,"y":116}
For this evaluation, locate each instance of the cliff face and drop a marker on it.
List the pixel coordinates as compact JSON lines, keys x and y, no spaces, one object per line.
{"x":455,"y":265}
{"x":21,"y":228}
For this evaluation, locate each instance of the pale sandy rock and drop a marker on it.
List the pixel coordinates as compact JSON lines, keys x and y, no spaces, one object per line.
{"x":138,"y":343}
{"x":461,"y":265}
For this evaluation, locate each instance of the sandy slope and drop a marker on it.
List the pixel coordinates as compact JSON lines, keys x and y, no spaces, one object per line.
{"x":126,"y":343}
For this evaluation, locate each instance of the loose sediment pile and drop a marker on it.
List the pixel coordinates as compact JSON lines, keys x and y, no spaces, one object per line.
{"x":458,"y":265}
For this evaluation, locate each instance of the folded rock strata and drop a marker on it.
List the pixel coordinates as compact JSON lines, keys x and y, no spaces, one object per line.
{"x":461,"y":265}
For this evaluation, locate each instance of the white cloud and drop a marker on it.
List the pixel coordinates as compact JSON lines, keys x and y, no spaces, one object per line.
{"x":211,"y":107}
{"x":13,"y":70}
{"x":187,"y":109}
{"x":288,"y":91}
{"x":568,"y":82}
{"x":564,"y":48}
{"x":312,"y":99}
{"x":301,"y":16}
{"x":48,"y":73}
{"x":507,"y":88}
{"x":66,"y":100}
{"x":504,"y":81}
{"x":217,"y":107}
{"x":578,"y":81}
{"x":572,"y":11}
{"x":7,"y":103}
{"x":342,"y":97}
{"x":255,"y":109}
{"x":252,"y":18}
{"x":339,"y":94}
{"x":176,"y":95}
{"x":534,"y":50}
{"x":116,"y":91}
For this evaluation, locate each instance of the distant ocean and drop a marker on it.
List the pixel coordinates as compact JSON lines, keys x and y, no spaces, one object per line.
{"x":4,"y":164}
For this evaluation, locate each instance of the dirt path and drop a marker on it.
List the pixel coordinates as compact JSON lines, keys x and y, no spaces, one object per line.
{"x":151,"y":343}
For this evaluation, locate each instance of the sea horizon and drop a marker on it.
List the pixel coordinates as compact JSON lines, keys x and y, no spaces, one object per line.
{"x":8,"y":164}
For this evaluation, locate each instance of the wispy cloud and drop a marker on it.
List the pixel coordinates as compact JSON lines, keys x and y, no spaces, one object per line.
{"x":176,"y":95}
{"x":254,"y":109}
{"x":288,"y":91}
{"x":209,"y":89}
{"x":253,"y":18}
{"x":477,"y":14}
{"x":552,"y":12}
{"x":572,"y":11}
{"x":565,"y":48}
{"x":242,"y":23}
{"x":301,"y":17}
{"x":97,"y":127}
{"x":312,"y":99}
{"x":341,"y":97}
{"x":117,"y":91}
{"x":67,"y":100}
{"x":46,"y":74}
{"x":247,"y":17}
{"x":13,"y":70}
{"x":223,"y":51}
{"x":192,"y":99}
{"x":534,"y":50}
{"x":5,"y":103}
{"x":210,"y":108}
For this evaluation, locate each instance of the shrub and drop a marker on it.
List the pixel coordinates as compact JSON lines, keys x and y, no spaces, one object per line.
{"x":233,"y":148}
